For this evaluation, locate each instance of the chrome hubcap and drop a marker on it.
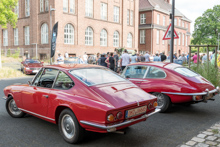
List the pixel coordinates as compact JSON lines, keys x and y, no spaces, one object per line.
{"x":13,"y":108}
{"x":68,"y":126}
{"x":160,"y":100}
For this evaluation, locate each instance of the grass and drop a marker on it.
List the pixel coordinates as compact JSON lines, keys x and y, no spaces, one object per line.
{"x":215,"y":131}
{"x":10,"y":59}
{"x":7,"y":72}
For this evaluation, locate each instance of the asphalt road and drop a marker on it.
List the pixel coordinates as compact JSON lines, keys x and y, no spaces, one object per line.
{"x":161,"y":130}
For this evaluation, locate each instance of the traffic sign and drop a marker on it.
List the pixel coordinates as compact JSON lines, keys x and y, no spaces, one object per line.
{"x":167,"y":35}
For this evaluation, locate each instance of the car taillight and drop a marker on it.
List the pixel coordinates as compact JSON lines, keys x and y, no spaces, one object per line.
{"x":197,"y":97}
{"x":110,"y":118}
{"x":155,"y":104}
{"x":150,"y":106}
{"x":119,"y":115}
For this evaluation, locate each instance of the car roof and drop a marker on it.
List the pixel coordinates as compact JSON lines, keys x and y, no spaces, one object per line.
{"x":167,"y":65}
{"x":72,"y":66}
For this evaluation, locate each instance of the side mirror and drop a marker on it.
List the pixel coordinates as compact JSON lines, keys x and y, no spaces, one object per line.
{"x":29,"y":82}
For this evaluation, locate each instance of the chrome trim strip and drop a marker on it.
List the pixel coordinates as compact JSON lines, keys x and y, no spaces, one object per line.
{"x":191,"y":94}
{"x":37,"y":114}
{"x":112,"y":128}
{"x":4,"y":97}
{"x":137,"y":80}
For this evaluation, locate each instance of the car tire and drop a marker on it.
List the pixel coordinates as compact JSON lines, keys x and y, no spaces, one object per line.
{"x":69,"y":127}
{"x":163,"y":101}
{"x":12,"y":108}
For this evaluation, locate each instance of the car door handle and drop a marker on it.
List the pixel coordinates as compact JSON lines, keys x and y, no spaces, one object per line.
{"x":46,"y":96}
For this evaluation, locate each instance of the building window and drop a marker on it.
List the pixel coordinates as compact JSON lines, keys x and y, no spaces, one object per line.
{"x":65,"y":6}
{"x":69,"y":34}
{"x":44,"y":34}
{"x":27,"y":35}
{"x":128,"y":17}
{"x":131,"y":18}
{"x":183,"y":39}
{"x":179,"y":39}
{"x":175,"y":21}
{"x":89,"y":8}
{"x":89,"y":36}
{"x":116,"y":14}
{"x":72,"y":6}
{"x":41,"y":5}
{"x":16,"y":36}
{"x":17,"y":9}
{"x":143,"y":19}
{"x":142,"y":36}
{"x":158,"y":18}
{"x":129,"y":40}
{"x":164,"y":20}
{"x":163,"y":41}
{"x":5,"y":37}
{"x":175,"y":41}
{"x":186,"y":40}
{"x":158,"y":36}
{"x":103,"y":11}
{"x":27,"y":8}
{"x":116,"y":39}
{"x":103,"y":38}
{"x":183,"y":24}
{"x":46,"y":5}
{"x":180,"y":22}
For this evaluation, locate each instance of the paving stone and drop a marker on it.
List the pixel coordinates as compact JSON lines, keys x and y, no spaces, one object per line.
{"x":211,"y":143}
{"x":207,"y":133}
{"x":217,"y":135}
{"x":196,"y":139}
{"x":201,"y":135}
{"x":214,"y":127}
{"x":184,"y":146}
{"x":209,"y":130}
{"x":191,"y":143}
{"x":218,"y":140}
{"x":202,"y":145}
{"x":212,"y":138}
{"x":218,"y":145}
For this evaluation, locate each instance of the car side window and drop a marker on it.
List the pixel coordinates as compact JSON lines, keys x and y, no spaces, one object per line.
{"x":63,"y":82}
{"x":47,"y":78}
{"x":37,"y":78}
{"x":156,"y":73}
{"x":136,"y":72}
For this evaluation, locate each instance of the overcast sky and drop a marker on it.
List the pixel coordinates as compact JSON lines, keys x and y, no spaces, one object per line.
{"x":192,"y":9}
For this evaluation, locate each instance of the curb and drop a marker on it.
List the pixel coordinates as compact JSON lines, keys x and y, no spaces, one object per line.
{"x":4,"y":79}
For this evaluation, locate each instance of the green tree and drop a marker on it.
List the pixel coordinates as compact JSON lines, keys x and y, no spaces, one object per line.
{"x":7,"y":16}
{"x":207,"y":27}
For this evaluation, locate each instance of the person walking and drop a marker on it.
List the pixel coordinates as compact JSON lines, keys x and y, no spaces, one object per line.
{"x":111,"y":62}
{"x":183,"y":58}
{"x":133,"y":58}
{"x":147,"y":57}
{"x":102,"y":60}
{"x":157,"y":58}
{"x":163,"y":57}
{"x":195,"y":58}
{"x":125,"y":60}
{"x":60,"y":59}
{"x":142,"y":58}
{"x":138,"y":58}
{"x":204,"y":58}
{"x":66,"y":55}
{"x":116,"y":57}
{"x":85,"y":58}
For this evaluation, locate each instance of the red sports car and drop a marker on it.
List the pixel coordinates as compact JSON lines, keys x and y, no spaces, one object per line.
{"x":30,"y":66}
{"x":170,"y":83}
{"x":79,"y":97}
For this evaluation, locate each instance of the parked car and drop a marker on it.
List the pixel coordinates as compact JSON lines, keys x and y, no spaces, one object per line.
{"x":30,"y":66}
{"x":81,"y":97}
{"x":72,"y":60}
{"x":171,"y":83}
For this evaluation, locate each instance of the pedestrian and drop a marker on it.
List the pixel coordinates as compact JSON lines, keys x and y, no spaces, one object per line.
{"x":66,"y":55}
{"x":125,"y":60}
{"x":116,"y":57}
{"x":85,"y":58}
{"x":204,"y":58}
{"x":138,"y":58}
{"x":108,"y":56}
{"x":175,"y":56}
{"x":157,"y":58}
{"x":147,"y":57}
{"x":163,"y":57}
{"x":60,"y":59}
{"x":183,"y":58}
{"x":102,"y":60}
{"x":81,"y":60}
{"x":142,"y":58}
{"x":111,"y":62}
{"x":133,"y":58}
{"x":195,"y":58}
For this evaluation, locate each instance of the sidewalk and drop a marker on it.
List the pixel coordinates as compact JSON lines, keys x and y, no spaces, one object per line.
{"x":208,"y":138}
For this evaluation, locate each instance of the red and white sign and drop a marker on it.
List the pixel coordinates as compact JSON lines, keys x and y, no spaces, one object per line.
{"x":167,"y":35}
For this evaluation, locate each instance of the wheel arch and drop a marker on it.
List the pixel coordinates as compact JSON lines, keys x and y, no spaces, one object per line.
{"x":58,"y":110}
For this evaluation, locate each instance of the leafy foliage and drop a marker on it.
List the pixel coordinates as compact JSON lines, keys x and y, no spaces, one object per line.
{"x":7,"y":16}
{"x":207,"y":27}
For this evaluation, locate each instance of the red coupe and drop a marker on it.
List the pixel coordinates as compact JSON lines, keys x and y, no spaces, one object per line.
{"x":170,"y":83}
{"x":81,"y":97}
{"x":30,"y":66}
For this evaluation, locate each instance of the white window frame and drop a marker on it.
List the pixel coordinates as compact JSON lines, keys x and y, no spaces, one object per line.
{"x":131,"y":17}
{"x":16,"y":10}
{"x":158,"y":19}
{"x":116,"y":14}
{"x":5,"y":37}
{"x":89,"y":36}
{"x":27,"y":35}
{"x":15,"y":36}
{"x":163,"y":41}
{"x":179,"y":22}
{"x":179,"y":39}
{"x":143,"y":18}
{"x":164,"y":20}
{"x":104,"y":10}
{"x":103,"y":38}
{"x":142,"y":36}
{"x":27,"y":8}
{"x":158,"y":37}
{"x":128,"y":17}
{"x":129,"y":40}
{"x":69,"y":34}
{"x":44,"y":34}
{"x":72,"y":6}
{"x":46,"y":5}
{"x":41,"y":5}
{"x":183,"y":39}
{"x":116,"y":39}
{"x":186,"y":40}
{"x":175,"y":41}
{"x":89,"y":8}
{"x":183,"y":24}
{"x":65,"y":6}
{"x":175,"y":21}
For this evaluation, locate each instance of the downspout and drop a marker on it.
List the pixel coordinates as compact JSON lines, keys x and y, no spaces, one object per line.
{"x":122,"y":23}
{"x":152,"y":32}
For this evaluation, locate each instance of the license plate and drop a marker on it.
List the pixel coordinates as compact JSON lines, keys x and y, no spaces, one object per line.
{"x":135,"y":112}
{"x":35,"y":71}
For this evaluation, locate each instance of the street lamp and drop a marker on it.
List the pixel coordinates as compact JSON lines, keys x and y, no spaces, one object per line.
{"x":36,"y":48}
{"x":51,"y":9}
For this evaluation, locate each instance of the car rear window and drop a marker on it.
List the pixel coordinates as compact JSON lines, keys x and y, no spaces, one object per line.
{"x":96,"y":76}
{"x":186,"y":72}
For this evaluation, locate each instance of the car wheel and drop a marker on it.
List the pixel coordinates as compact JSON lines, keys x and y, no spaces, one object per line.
{"x":69,"y":127}
{"x":12,"y":108}
{"x":163,"y":101}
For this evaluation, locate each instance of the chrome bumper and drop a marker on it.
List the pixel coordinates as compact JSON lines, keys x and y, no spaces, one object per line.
{"x":112,"y":128}
{"x":4,"y":97}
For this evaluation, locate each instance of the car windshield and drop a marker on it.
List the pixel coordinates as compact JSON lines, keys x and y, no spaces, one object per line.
{"x":186,"y":72}
{"x":95,"y":76}
{"x":32,"y":61}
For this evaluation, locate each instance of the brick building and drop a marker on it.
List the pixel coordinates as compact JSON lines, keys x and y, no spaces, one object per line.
{"x":90,"y":26}
{"x":154,"y":20}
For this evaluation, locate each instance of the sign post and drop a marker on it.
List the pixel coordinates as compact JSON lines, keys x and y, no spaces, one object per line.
{"x":172,"y":31}
{"x":53,"y":40}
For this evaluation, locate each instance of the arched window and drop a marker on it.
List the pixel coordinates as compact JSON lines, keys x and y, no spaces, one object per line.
{"x":44,"y":34}
{"x":89,"y":36}
{"x":41,"y":5}
{"x":103,"y":38}
{"x":116,"y":39}
{"x":46,"y":5}
{"x":69,"y":34}
{"x":129,"y":40}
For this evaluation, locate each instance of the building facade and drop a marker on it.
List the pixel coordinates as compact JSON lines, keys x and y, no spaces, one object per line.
{"x":90,"y":26}
{"x":154,"y":19}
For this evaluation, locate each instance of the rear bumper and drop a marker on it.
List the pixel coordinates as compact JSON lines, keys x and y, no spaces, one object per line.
{"x":113,"y":128}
